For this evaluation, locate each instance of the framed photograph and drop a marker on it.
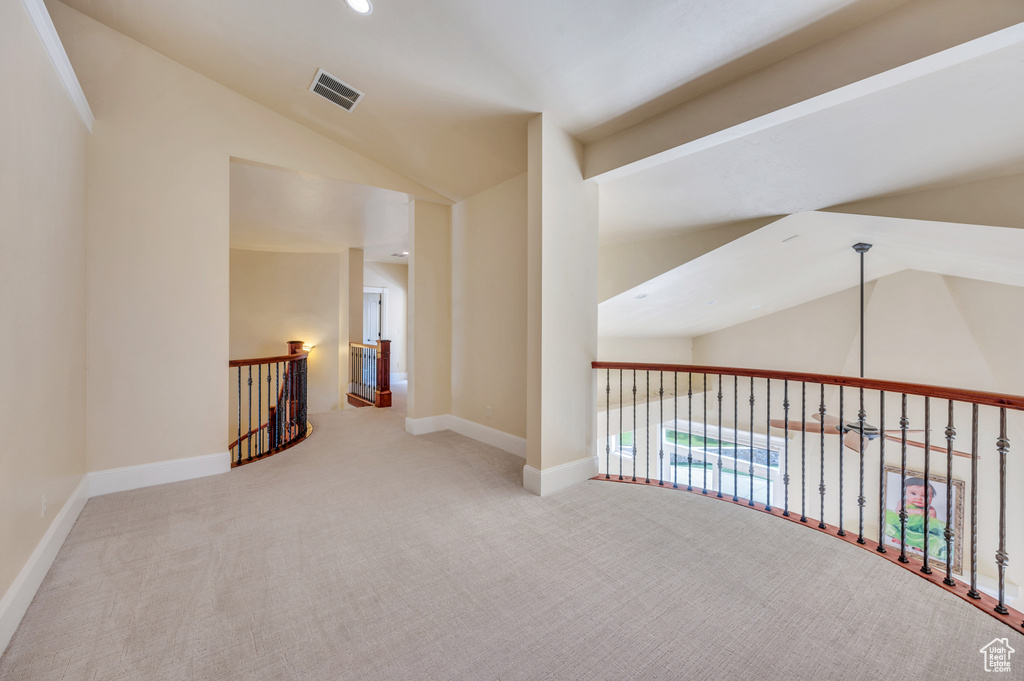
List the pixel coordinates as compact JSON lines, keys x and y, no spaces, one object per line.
{"x":923,"y":499}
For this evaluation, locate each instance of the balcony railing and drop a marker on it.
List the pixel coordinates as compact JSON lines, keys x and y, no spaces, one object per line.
{"x":271,"y":404}
{"x":884,"y":465}
{"x":370,"y":374}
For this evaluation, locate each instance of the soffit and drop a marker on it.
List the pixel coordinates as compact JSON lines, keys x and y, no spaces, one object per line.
{"x":284,"y":211}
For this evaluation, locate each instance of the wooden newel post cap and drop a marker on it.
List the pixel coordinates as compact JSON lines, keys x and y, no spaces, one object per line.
{"x":294,"y":347}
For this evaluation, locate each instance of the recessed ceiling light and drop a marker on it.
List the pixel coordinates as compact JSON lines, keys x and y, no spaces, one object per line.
{"x":755,"y":307}
{"x":710,"y":302}
{"x":642,"y":295}
{"x":361,"y":6}
{"x":405,"y":252}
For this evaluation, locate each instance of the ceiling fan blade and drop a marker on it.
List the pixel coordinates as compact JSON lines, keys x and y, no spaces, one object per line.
{"x":853,"y":440}
{"x":920,"y":445}
{"x":829,"y":420}
{"x":796,"y":426}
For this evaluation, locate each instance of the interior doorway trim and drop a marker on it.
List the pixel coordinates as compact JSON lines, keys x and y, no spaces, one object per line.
{"x":383,"y":291}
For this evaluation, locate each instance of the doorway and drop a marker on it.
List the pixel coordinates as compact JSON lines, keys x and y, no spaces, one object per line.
{"x":375,"y":301}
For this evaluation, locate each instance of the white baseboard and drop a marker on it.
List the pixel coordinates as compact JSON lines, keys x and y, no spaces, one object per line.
{"x":430,"y":424}
{"x":489,"y":436}
{"x":19,"y":596}
{"x":990,"y":586}
{"x":404,"y":376}
{"x":147,"y":475}
{"x":557,"y":478}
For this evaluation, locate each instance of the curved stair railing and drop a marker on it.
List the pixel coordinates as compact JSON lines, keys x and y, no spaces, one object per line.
{"x":370,"y":374}
{"x":884,"y":465}
{"x":272,"y":407}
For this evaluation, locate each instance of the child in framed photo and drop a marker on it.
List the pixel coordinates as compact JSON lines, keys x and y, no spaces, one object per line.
{"x":923,"y":499}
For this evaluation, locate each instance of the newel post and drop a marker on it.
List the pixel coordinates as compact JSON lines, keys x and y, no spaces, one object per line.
{"x":383,"y":374}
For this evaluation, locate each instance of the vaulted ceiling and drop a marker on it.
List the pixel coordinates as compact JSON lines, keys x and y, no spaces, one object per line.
{"x":450,"y":84}
{"x":692,"y":113}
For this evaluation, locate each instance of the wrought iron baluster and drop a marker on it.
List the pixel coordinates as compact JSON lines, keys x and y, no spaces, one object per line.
{"x":622,"y":408}
{"x":785,"y":445}
{"x":842,"y":448}
{"x":704,"y":430}
{"x":661,"y":428}
{"x":375,"y":372}
{"x":973,"y":593}
{"x":647,"y":402}
{"x":719,"y":463}
{"x":926,"y":568}
{"x":881,"y":472}
{"x":259,"y":410}
{"x":803,"y":452}
{"x":735,"y":443}
{"x":675,"y":429}
{"x":861,"y":419}
{"x":634,"y":426}
{"x":608,"y":424}
{"x":277,"y":410}
{"x":904,"y":423}
{"x":689,"y":431}
{"x":750,"y":468}
{"x":767,"y":446}
{"x":248,"y":437}
{"x":821,"y":482}
{"x":238,"y":444}
{"x":270,"y":436}
{"x":947,"y":533}
{"x":1002,"y":558}
{"x":303,"y":399}
{"x":291,"y":399}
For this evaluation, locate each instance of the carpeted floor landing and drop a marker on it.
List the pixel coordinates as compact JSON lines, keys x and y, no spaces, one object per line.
{"x":367,"y":553}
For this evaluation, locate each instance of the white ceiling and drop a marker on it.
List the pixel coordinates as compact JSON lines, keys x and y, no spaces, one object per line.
{"x":955,"y":115}
{"x":759,"y":273}
{"x":280,"y":210}
{"x":450,"y":84}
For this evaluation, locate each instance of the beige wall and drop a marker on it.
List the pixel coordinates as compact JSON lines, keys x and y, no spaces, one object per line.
{"x":489,"y":307}
{"x":656,"y":350}
{"x":430,"y":310}
{"x":42,"y":304}
{"x":562,"y":299}
{"x":623,"y":266}
{"x":158,"y":230}
{"x":278,"y":297}
{"x":395,"y":278}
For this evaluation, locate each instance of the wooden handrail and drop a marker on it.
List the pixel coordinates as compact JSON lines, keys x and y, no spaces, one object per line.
{"x":372,"y":346}
{"x":267,"y":360}
{"x":955,"y":394}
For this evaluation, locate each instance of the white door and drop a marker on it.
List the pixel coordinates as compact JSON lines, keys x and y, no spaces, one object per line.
{"x":371,"y":317}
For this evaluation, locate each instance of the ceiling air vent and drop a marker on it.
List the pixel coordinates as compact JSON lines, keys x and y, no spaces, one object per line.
{"x":333,"y":90}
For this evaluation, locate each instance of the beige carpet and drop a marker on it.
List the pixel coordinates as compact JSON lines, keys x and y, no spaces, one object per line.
{"x":366,"y":553}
